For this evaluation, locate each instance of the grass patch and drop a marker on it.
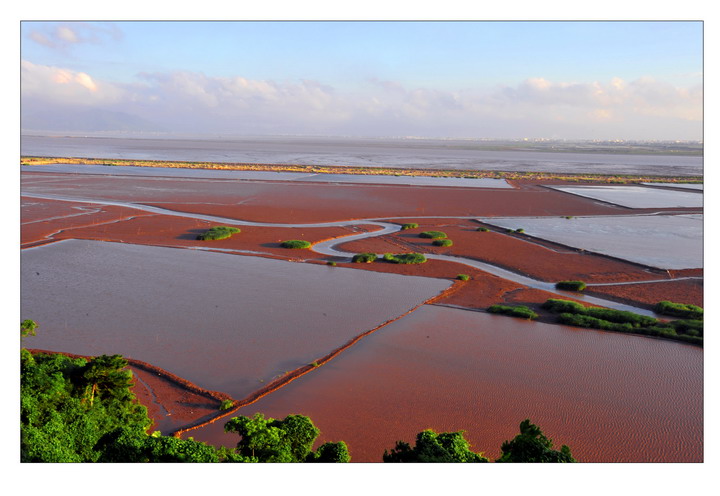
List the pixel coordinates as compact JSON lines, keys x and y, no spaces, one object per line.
{"x":364,"y":258}
{"x":575,"y":314}
{"x":405,"y":258}
{"x":442,"y":242}
{"x":463,"y":277}
{"x":296,"y":244}
{"x":520,"y":311}
{"x":571,"y":285}
{"x":681,"y":310}
{"x":218,"y":232}
{"x":409,"y":226}
{"x":433,"y":234}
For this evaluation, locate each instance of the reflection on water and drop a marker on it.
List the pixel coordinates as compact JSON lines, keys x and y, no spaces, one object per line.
{"x":226,"y":322}
{"x":662,"y":241}
{"x":637,"y":196}
{"x":610,"y":397}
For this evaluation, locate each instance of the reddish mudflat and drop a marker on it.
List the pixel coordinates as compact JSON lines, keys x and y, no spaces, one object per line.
{"x":203,"y":316}
{"x":277,"y":201}
{"x":610,"y":397}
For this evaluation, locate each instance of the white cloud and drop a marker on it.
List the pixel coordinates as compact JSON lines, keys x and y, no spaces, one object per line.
{"x":65,"y":33}
{"x":56,"y":85}
{"x":534,"y":107}
{"x":63,"y":36}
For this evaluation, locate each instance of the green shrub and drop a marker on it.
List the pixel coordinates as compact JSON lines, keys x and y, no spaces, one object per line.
{"x":580,"y":320}
{"x":689,"y":327}
{"x":463,"y":277}
{"x":226,"y":404}
{"x":482,"y":229}
{"x":433,"y":234}
{"x":442,"y":242}
{"x":521,"y":230}
{"x":409,"y":226}
{"x":562,"y":306}
{"x":520,"y":311}
{"x":405,"y":258}
{"x":571,"y":285}
{"x":679,"y":310}
{"x":296,"y":244}
{"x":218,"y":232}
{"x":621,"y":317}
{"x":572,"y":313}
{"x":364,"y":258}
{"x":332,"y":264}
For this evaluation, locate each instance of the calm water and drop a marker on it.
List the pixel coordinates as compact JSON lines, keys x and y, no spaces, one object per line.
{"x":662,"y":241}
{"x":610,"y":397}
{"x":421,"y":154}
{"x":227,"y":322}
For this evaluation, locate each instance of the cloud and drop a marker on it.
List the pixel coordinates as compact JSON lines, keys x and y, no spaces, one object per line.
{"x":195,"y":102}
{"x":65,"y":35}
{"x":56,"y":85}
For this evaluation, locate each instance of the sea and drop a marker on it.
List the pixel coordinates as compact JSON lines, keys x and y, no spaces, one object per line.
{"x":444,"y":154}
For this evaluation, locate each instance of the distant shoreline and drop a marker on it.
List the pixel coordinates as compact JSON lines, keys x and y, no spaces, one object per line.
{"x":382,"y":171}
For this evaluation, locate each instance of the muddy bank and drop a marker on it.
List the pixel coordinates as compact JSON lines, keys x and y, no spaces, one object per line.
{"x":539,"y":260}
{"x":686,"y":291}
{"x":294,"y":202}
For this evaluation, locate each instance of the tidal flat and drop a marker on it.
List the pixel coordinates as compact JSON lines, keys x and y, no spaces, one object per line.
{"x":111,"y":264}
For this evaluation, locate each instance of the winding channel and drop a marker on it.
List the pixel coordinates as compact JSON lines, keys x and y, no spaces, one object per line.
{"x":329,"y":247}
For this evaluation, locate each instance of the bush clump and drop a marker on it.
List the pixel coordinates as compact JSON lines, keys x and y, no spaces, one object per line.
{"x":218,"y":232}
{"x":571,"y":285}
{"x":563,"y":306}
{"x":364,"y":258}
{"x":575,"y":314}
{"x":482,"y":229}
{"x":433,"y":234}
{"x":442,"y":242}
{"x":226,"y":404}
{"x":679,"y":310}
{"x":520,"y":311}
{"x":621,"y":317}
{"x":296,"y":244}
{"x":405,"y":258}
{"x":463,"y":277}
{"x":411,"y":225}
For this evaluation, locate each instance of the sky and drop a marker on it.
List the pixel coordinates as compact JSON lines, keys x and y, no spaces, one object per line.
{"x":465,"y":79}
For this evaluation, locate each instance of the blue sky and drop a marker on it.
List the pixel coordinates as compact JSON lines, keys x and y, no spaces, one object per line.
{"x":574,"y":80}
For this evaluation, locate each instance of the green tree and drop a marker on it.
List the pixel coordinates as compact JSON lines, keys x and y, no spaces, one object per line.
{"x":431,"y":447}
{"x":63,"y":416}
{"x":27,"y":328}
{"x":282,"y":441}
{"x":330,"y":453}
{"x":131,"y":446}
{"x":532,"y":446}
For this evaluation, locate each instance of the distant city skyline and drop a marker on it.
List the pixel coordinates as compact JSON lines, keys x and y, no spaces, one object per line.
{"x":614,"y":80}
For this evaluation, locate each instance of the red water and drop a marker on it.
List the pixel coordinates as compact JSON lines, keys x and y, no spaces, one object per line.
{"x":610,"y":397}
